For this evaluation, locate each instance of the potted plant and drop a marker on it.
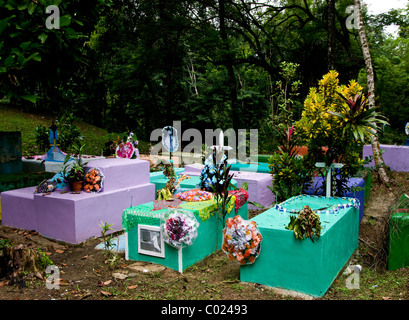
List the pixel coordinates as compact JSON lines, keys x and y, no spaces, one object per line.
{"x":77,"y":173}
{"x":76,"y":177}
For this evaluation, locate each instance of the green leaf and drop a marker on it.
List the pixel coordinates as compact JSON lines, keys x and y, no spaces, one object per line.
{"x":9,"y":61}
{"x":4,"y":23}
{"x":22,"y":6}
{"x":25,"y":45}
{"x":78,"y":22}
{"x":14,"y":34}
{"x":42,"y":37}
{"x":31,"y":98}
{"x":31,"y":8}
{"x":65,"y":21}
{"x":34,"y":56}
{"x":336,"y":114}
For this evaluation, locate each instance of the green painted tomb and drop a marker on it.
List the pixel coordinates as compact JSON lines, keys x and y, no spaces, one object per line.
{"x":303,"y":265}
{"x":399,"y":236}
{"x":209,"y":238}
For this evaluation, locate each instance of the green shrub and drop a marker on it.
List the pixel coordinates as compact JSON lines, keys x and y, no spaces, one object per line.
{"x":290,"y":175}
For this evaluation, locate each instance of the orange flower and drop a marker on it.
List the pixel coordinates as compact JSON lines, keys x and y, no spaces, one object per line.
{"x":229,"y":222}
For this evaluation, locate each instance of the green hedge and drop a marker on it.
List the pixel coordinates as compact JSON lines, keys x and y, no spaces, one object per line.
{"x":22,"y":180}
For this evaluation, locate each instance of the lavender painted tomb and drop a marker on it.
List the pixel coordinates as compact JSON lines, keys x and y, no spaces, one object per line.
{"x":74,"y":218}
{"x":396,"y":157}
{"x":257,"y":189}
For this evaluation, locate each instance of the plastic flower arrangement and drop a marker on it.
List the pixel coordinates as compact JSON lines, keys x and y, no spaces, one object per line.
{"x":127,"y":149}
{"x":46,"y":186}
{"x":241,"y":240}
{"x":93,"y":180}
{"x":306,"y":224}
{"x":208,"y":173}
{"x":179,"y":228}
{"x":194,"y":195}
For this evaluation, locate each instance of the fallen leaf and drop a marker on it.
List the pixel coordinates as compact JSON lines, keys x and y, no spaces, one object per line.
{"x":60,"y":282}
{"x":47,"y":253}
{"x":38,"y":275}
{"x":120,"y":276}
{"x":84,"y":257}
{"x":86,"y":295}
{"x":59,"y":251}
{"x":132,"y":287}
{"x":2,"y":284}
{"x":106,"y":293}
{"x":386,"y":298}
{"x":101,"y":284}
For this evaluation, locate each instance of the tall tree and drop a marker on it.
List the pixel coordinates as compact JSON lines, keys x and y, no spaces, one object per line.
{"x":371,"y":87}
{"x":228,"y":58}
{"x":331,"y":34}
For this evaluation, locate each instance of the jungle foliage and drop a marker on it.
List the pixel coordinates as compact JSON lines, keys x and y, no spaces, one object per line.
{"x":128,"y":65}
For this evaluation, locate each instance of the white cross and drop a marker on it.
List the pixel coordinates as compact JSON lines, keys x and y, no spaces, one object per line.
{"x":220,"y":148}
{"x":333,"y":165}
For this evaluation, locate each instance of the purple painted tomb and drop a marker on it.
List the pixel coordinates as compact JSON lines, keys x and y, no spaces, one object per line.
{"x":257,"y":184}
{"x":396,"y":157}
{"x":74,"y":218}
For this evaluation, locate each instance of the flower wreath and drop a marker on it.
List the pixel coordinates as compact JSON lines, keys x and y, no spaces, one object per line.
{"x":241,"y":240}
{"x":170,"y":139}
{"x":93,"y":180}
{"x":125,"y":150}
{"x":179,"y":228}
{"x":194,"y":195}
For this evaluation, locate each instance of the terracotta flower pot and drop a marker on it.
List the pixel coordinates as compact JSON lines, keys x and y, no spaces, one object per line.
{"x":76,"y":186}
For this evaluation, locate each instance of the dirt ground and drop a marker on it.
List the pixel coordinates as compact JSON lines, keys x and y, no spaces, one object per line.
{"x":88,"y":274}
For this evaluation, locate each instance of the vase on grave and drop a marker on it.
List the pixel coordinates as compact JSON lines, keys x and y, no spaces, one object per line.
{"x":76,"y":186}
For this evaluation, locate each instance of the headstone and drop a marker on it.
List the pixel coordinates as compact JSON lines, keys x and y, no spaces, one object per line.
{"x":10,"y":153}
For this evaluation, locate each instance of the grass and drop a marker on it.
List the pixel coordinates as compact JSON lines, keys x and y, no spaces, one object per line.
{"x":373,"y":285}
{"x":16,"y":120}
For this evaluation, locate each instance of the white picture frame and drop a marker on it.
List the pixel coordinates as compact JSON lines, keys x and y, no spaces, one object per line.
{"x":150,"y":241}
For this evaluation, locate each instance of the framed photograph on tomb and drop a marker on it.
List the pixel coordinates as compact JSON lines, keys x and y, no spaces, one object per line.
{"x":150,"y":241}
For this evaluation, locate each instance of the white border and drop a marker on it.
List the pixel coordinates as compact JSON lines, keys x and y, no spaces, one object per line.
{"x":160,"y":254}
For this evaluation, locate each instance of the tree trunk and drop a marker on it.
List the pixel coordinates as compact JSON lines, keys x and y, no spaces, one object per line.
{"x":228,"y":62}
{"x":331,"y":34}
{"x":17,"y":260}
{"x":380,"y":165}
